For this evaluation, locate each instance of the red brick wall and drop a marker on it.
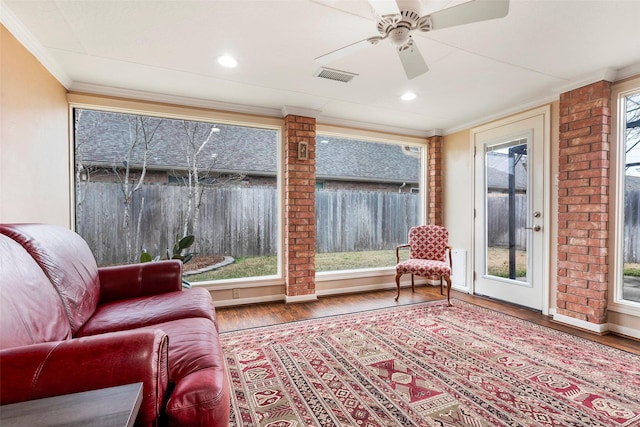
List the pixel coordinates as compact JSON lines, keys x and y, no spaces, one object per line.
{"x":583,"y":202}
{"x":300,"y":211}
{"x":435,"y":213}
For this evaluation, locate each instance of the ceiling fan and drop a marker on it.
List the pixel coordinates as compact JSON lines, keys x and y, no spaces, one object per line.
{"x":397,"y":25}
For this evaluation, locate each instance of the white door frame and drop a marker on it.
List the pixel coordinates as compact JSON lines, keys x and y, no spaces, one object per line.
{"x":545,"y":112}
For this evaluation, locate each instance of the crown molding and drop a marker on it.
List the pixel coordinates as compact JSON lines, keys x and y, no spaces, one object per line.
{"x":534,"y":103}
{"x":300,"y":111}
{"x":26,"y":38}
{"x":629,"y":71}
{"x":335,"y":121}
{"x":139,"y":95}
{"x":606,"y":74}
{"x":186,"y":101}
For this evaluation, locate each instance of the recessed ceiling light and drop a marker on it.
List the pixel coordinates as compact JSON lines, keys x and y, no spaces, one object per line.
{"x":227,"y":61}
{"x":409,"y":96}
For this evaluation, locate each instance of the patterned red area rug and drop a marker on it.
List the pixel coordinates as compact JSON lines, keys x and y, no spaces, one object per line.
{"x":427,"y":365}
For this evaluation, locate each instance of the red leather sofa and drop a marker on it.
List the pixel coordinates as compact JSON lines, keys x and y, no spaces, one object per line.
{"x":67,"y":326}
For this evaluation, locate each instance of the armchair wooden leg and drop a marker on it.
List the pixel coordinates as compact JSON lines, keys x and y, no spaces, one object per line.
{"x":441,"y":286}
{"x":448,"y":280}
{"x":398,"y":285}
{"x":413,"y":285}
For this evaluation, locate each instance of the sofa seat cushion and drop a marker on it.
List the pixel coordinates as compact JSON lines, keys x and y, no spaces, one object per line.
{"x":149,"y":310}
{"x":31,"y":310}
{"x":197,"y":371}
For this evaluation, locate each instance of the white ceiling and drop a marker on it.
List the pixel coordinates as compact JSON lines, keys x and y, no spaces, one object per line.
{"x":167,"y":50}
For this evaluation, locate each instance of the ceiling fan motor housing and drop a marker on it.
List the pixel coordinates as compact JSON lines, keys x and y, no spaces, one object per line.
{"x":397,"y":28}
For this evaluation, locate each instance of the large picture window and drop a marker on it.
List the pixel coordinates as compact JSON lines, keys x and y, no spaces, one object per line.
{"x":629,"y":139}
{"x":368,"y":195}
{"x":143,"y":182}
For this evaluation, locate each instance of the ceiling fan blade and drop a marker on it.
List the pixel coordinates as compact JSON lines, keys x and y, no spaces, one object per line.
{"x":385,"y":7}
{"x":466,"y":13}
{"x":412,"y":61}
{"x":342,"y":52}
{"x":348,"y":50}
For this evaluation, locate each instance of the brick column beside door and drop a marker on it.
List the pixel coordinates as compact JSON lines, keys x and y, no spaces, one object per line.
{"x":300,"y":207}
{"x":435,"y":213}
{"x":583,"y":202}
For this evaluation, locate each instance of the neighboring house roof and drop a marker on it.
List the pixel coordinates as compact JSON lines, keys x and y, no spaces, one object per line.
{"x":103,"y":139}
{"x":497,"y":168}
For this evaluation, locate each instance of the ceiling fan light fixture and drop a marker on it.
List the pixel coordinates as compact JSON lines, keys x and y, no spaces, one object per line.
{"x":399,"y":36}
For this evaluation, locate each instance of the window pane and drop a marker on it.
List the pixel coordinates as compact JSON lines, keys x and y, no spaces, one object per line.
{"x":368,"y":200}
{"x":631,"y":245}
{"x":144,"y":182}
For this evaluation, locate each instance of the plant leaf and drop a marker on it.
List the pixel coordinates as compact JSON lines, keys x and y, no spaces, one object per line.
{"x":145,"y":257}
{"x":186,"y":241}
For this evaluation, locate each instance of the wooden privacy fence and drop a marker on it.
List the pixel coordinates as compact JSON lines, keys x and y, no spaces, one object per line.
{"x":631,"y":245}
{"x":364,"y":220}
{"x":239,"y":221}
{"x":242,"y":221}
{"x":498,"y":221}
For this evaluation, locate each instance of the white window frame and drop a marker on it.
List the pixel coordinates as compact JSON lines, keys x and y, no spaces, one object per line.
{"x":618,"y":156}
{"x":127,"y":106}
{"x":383,"y":138}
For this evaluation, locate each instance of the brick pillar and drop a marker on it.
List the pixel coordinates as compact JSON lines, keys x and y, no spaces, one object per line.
{"x":300,"y":208}
{"x":435,"y":212}
{"x":583,"y":202}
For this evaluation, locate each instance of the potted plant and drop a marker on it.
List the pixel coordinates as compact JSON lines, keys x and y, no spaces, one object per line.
{"x":179,"y":248}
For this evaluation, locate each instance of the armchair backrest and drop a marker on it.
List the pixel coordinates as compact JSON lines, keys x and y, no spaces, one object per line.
{"x":428,"y":242}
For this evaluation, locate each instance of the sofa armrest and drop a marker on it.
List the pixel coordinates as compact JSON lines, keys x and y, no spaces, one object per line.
{"x":137,"y":280}
{"x":82,"y":364}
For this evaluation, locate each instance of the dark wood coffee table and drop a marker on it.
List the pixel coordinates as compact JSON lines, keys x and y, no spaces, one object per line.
{"x":107,"y":407}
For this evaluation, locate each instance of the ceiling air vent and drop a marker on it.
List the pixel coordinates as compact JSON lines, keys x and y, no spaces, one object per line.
{"x":337,"y":75}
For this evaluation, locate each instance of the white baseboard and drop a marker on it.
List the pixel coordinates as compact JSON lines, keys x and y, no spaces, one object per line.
{"x":243,"y":301}
{"x":356,"y":289}
{"x":623,"y":330}
{"x":301,"y":298}
{"x":582,"y":324}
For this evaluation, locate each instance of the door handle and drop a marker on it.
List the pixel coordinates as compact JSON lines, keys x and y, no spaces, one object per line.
{"x":534,"y":228}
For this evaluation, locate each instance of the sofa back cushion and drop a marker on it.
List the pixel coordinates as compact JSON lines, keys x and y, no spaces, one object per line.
{"x":31,"y":311}
{"x":67,"y":261}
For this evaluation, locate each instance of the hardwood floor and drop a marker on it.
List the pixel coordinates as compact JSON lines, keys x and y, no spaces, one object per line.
{"x":253,"y":315}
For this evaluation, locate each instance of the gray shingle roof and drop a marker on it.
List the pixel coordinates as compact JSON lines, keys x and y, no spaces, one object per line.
{"x":497,"y":175}
{"x":103,"y":138}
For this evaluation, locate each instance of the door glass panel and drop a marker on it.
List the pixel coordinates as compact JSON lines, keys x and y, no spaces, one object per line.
{"x":506,"y":200}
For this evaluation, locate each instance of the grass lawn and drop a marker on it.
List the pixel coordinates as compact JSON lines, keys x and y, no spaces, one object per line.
{"x":336,"y":261}
{"x":267,"y":265}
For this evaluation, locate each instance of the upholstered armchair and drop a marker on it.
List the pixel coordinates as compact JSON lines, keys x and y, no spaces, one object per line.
{"x":429,"y":256}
